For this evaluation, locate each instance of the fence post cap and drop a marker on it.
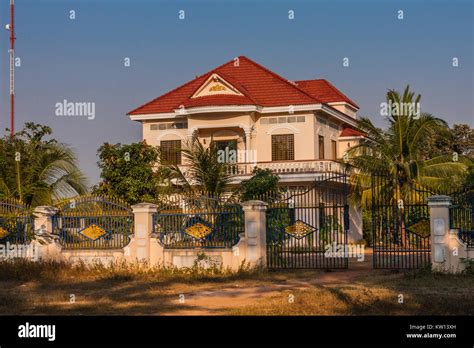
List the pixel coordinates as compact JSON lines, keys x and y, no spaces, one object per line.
{"x":145,"y":207}
{"x":439,"y":200}
{"x":254,"y":205}
{"x":45,"y":210}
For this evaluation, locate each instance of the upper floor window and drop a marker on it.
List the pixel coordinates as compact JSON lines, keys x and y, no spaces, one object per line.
{"x":321,"y":146}
{"x":283,"y":147}
{"x":334,"y":149}
{"x":170,"y":151}
{"x":282,"y":119}
{"x":173,"y":125}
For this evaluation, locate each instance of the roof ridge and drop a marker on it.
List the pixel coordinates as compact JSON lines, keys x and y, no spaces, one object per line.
{"x":339,"y":92}
{"x":308,"y":80}
{"x":281,"y":78}
{"x":334,"y":88}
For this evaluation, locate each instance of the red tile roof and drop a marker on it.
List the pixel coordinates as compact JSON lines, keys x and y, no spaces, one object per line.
{"x":258,"y":85}
{"x":325,"y":91}
{"x":350,"y":132}
{"x":218,"y":99}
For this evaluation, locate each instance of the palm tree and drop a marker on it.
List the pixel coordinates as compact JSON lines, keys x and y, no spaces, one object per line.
{"x":202,"y":173}
{"x":38,"y":171}
{"x":396,"y":153}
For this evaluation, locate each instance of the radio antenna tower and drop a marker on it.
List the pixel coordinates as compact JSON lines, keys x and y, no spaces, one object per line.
{"x":11,"y":28}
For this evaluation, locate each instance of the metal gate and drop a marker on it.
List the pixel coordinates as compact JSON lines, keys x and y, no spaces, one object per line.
{"x":400,"y":224}
{"x":307,"y":227}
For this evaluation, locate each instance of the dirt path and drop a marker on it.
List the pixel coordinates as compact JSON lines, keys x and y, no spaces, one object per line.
{"x":212,"y":302}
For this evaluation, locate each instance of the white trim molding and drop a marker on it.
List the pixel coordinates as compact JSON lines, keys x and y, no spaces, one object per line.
{"x":214,"y":78}
{"x":179,"y":135}
{"x":211,"y":109}
{"x":182,"y":112}
{"x":345,"y":104}
{"x":339,"y":115}
{"x":282,"y":126}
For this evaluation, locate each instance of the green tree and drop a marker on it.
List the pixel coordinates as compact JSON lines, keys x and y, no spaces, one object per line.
{"x":397,"y":151}
{"x":263,"y":184}
{"x":127,"y":172}
{"x":446,"y":141}
{"x":37,"y":170}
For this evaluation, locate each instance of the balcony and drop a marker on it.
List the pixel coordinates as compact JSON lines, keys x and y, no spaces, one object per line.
{"x":300,"y":170}
{"x":287,"y":167}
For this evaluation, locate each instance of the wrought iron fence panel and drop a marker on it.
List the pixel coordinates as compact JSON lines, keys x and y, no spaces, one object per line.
{"x":16,"y":222}
{"x":93,"y":222}
{"x":461,"y":216}
{"x":198,"y":222}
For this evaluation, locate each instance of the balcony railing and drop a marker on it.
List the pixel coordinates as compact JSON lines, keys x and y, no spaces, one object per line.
{"x":284,"y":167}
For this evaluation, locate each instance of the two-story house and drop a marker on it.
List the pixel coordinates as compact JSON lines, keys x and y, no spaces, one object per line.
{"x":295,"y":128}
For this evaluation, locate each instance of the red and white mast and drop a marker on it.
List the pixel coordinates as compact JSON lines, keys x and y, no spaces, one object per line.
{"x":11,"y":28}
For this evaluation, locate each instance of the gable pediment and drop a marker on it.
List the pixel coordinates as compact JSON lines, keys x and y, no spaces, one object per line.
{"x":216,"y":85}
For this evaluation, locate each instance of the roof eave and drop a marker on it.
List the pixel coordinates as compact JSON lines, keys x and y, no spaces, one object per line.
{"x":247,"y":108}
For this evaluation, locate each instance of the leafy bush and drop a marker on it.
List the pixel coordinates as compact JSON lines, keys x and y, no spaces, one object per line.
{"x":262,"y":185}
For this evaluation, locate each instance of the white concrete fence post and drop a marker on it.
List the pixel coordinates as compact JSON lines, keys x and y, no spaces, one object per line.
{"x":255,"y":232}
{"x":447,"y":250}
{"x":47,"y":247}
{"x":43,"y":218}
{"x":143,"y":227}
{"x":439,"y":226}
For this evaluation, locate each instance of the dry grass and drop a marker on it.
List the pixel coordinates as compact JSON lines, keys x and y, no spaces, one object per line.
{"x":423,"y":293}
{"x":46,"y":288}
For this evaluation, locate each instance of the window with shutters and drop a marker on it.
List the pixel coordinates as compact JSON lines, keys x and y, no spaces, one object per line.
{"x":283,"y":147}
{"x":170,"y":151}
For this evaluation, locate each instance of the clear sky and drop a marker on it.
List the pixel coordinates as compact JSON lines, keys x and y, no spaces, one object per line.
{"x":82,"y":60}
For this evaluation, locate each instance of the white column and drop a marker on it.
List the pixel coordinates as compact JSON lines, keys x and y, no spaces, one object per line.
{"x":143,"y":227}
{"x":43,"y":220}
{"x":439,"y":226}
{"x":255,"y":232}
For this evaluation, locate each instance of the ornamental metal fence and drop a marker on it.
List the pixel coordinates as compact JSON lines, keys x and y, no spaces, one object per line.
{"x":461,"y":216}
{"x":307,"y":227}
{"x":93,"y":222}
{"x":16,"y":222}
{"x":400,"y":224}
{"x":198,"y":222}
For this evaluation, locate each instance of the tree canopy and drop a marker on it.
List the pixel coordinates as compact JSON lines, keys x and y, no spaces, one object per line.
{"x":400,"y":151}
{"x":38,"y":170}
{"x":127,"y":172}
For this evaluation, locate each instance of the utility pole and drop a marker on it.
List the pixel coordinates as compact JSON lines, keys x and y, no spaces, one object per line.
{"x":11,"y":28}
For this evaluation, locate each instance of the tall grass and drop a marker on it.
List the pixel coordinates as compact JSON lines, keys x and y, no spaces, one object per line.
{"x":26,"y":270}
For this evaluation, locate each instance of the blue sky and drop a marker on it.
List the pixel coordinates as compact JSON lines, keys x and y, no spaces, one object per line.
{"x":82,"y":59}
